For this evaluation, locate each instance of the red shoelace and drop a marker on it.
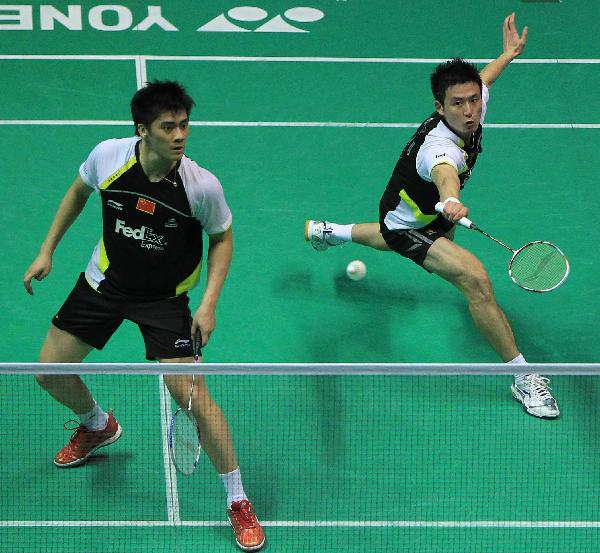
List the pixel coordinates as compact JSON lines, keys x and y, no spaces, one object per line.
{"x":244,"y":515}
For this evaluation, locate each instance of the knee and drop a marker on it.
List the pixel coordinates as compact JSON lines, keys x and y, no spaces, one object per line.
{"x":476,"y":284}
{"x":203,"y":406}
{"x":43,"y":380}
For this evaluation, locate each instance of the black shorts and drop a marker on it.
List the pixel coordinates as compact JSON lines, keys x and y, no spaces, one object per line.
{"x":165,"y":324}
{"x":414,"y":243}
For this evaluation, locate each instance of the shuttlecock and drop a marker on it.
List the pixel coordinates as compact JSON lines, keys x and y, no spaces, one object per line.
{"x":356,"y":270}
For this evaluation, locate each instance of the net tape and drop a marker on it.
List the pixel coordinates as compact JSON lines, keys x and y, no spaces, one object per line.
{"x":328,"y":369}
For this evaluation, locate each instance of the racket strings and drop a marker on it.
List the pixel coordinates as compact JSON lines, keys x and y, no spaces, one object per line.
{"x":539,"y":266}
{"x":189,"y":448}
{"x":185,"y":446}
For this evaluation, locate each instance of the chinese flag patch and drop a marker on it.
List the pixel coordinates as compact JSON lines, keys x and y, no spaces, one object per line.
{"x":146,"y":206}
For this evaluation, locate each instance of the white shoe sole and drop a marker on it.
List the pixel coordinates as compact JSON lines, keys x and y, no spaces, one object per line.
{"x":520,"y":398}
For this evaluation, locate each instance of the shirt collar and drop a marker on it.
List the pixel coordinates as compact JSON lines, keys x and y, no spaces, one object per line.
{"x":443,"y":130}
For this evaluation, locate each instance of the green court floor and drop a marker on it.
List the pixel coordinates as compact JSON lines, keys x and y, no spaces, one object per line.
{"x":377,"y":464}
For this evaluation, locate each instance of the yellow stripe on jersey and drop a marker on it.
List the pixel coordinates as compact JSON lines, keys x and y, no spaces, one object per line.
{"x":419,"y":215}
{"x":103,"y":261}
{"x":118,"y":173}
{"x":189,"y":282}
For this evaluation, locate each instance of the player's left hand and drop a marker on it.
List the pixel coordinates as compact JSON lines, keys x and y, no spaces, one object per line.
{"x":39,"y":269}
{"x":513,"y":43}
{"x":204,"y":319}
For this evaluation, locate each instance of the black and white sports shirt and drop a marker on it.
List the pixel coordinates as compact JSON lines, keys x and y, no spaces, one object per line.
{"x":410,"y":197}
{"x":151,"y":245}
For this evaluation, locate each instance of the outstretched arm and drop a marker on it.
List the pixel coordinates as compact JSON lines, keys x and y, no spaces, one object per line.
{"x":445,"y":178}
{"x":513,"y":44}
{"x":69,"y":209}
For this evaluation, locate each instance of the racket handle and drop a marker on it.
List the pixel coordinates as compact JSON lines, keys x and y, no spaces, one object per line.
{"x":463,"y":221}
{"x":196,"y":344}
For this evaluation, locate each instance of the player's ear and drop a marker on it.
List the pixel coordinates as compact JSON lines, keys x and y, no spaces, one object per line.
{"x":439,"y":108}
{"x":142,"y":130}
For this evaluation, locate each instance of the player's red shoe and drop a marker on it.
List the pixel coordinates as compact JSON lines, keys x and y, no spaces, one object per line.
{"x":84,"y":442}
{"x":249,"y":534}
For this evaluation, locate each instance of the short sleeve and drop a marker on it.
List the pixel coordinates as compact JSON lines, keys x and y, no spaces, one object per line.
{"x":438,"y":150}
{"x":485,"y":96}
{"x":89,"y":168}
{"x":206,"y":197}
{"x":106,"y":158}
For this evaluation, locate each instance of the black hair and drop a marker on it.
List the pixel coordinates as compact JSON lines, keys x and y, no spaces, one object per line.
{"x":157,"y":97}
{"x":451,"y":72}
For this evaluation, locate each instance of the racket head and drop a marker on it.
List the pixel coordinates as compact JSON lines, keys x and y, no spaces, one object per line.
{"x":184,"y":441}
{"x":539,"y":266}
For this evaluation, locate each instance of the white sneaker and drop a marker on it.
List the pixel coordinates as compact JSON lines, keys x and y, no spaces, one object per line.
{"x":319,"y":234}
{"x":534,"y":395}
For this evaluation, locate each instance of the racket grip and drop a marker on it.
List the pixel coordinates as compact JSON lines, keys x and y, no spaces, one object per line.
{"x":463,"y":221}
{"x":196,"y":343}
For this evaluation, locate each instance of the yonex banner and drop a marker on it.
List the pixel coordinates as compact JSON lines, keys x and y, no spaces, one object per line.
{"x":316,"y":28}
{"x":116,"y":17}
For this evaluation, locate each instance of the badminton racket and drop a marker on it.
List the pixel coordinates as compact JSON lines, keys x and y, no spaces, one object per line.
{"x":538,"y":266}
{"x":184,"y":435}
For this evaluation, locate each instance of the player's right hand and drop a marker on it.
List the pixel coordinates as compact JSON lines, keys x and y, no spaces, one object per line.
{"x":39,"y":269}
{"x":454,"y":211}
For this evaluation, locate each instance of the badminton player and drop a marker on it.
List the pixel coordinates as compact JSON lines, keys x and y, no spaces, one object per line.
{"x":156,"y":205}
{"x":434,"y":167}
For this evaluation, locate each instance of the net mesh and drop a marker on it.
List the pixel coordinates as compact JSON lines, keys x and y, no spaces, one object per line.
{"x":346,"y":462}
{"x":539,"y":266}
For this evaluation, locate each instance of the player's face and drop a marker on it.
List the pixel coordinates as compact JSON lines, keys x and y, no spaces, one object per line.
{"x":168,"y":134}
{"x":462,"y":108}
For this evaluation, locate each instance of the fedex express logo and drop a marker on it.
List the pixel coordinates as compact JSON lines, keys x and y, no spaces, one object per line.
{"x":148,"y":238}
{"x":115,"y":17}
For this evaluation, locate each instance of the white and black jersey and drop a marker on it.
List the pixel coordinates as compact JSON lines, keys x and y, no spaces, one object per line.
{"x":410,"y":197}
{"x":151,"y":245}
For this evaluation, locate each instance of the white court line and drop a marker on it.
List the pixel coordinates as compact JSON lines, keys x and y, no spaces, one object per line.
{"x":90,"y":122}
{"x":170,"y":473}
{"x":141,"y":74}
{"x":314,"y":523}
{"x":286,"y":59}
{"x":68,"y":57}
{"x":332,"y":124}
{"x":299,"y":59}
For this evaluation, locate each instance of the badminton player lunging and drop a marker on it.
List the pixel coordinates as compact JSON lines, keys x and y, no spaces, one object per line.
{"x":434,"y":167}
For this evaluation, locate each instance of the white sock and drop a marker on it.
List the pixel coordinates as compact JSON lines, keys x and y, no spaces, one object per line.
{"x":519,"y":360}
{"x":233,"y":486}
{"x":342,"y":233}
{"x":95,"y":419}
